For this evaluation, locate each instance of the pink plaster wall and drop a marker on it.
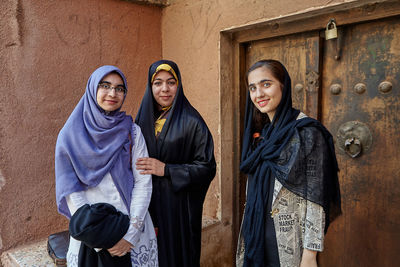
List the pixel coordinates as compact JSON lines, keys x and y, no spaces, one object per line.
{"x":191,"y":31}
{"x":48,"y":49}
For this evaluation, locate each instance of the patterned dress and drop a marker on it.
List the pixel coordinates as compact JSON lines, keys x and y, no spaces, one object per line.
{"x":297,"y":223}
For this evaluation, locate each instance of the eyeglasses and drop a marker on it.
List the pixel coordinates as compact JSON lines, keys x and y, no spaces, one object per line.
{"x":119,"y":90}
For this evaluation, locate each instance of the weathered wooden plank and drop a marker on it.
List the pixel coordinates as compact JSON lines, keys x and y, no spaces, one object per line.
{"x":313,"y":76}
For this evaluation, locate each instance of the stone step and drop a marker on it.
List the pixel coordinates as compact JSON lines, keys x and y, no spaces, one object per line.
{"x":31,"y":255}
{"x":35,"y":254}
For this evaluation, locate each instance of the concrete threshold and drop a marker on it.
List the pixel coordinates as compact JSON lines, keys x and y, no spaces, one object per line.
{"x":32,"y":255}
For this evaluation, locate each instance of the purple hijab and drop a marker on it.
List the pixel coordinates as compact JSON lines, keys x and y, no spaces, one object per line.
{"x":91,"y":144}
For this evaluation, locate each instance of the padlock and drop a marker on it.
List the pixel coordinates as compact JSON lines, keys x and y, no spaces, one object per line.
{"x":331,"y":32}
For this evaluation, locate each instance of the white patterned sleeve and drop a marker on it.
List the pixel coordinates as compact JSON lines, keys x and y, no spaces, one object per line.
{"x":75,"y":201}
{"x":141,"y":193}
{"x":314,"y":227}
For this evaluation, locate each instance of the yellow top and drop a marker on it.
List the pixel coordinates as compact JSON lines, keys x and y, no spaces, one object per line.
{"x":159,"y":123}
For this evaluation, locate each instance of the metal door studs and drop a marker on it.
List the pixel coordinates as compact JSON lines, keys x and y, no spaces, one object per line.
{"x":360,"y":88}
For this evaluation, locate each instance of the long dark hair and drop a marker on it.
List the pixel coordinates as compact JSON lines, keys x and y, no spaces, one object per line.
{"x":278,"y":71}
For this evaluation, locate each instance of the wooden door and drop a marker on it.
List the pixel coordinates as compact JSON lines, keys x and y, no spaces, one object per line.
{"x":368,"y":232}
{"x":359,"y":92}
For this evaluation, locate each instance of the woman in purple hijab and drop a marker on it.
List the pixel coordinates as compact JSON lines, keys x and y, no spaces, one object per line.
{"x":93,"y":164}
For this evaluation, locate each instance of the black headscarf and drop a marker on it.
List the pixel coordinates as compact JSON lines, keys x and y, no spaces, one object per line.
{"x":261,"y":164}
{"x":146,"y":114}
{"x":175,"y":139}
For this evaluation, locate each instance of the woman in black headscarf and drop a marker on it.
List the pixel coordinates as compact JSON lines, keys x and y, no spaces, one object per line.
{"x":181,"y":160}
{"x":293,"y":190}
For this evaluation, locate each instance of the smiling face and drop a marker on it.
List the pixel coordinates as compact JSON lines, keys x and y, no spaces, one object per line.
{"x":164,"y":88}
{"x":111,"y":99}
{"x":265,"y":91}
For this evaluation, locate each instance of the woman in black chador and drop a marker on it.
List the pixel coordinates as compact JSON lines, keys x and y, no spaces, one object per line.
{"x":181,"y":160}
{"x":293,"y":190}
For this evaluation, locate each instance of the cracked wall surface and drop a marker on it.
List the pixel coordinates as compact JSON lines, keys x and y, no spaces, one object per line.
{"x":2,"y":183}
{"x":150,"y":2}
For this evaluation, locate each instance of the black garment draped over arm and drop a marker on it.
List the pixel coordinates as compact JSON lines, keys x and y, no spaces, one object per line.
{"x":191,"y":163}
{"x":99,"y":226}
{"x":186,"y":146}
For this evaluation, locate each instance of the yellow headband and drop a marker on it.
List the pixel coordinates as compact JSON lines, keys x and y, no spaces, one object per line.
{"x":168,"y":68}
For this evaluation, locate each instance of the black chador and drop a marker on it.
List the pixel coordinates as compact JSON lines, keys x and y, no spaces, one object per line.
{"x":185,"y":145}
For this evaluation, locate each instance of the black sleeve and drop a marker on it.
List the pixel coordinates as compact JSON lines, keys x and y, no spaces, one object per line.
{"x":202,"y":169}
